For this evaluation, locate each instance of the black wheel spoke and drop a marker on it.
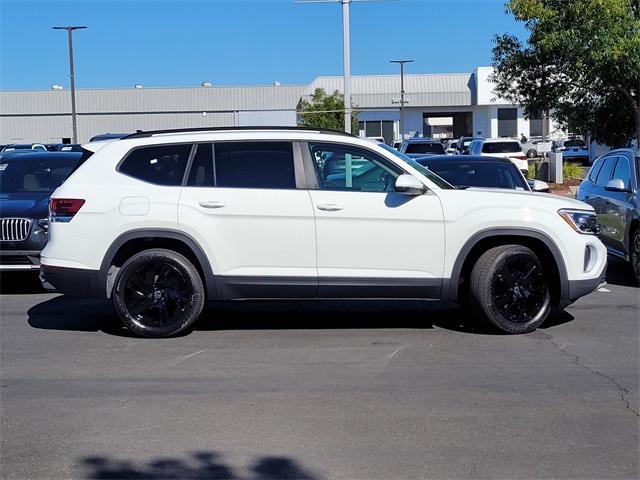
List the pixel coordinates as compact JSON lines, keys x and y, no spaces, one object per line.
{"x":519,"y":289}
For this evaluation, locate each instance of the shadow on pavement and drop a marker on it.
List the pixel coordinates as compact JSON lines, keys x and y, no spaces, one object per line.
{"x":619,"y":273}
{"x":68,"y":313}
{"x":20,"y":283}
{"x":199,"y":465}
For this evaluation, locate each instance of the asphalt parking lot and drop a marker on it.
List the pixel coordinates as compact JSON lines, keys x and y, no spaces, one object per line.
{"x":302,"y":390}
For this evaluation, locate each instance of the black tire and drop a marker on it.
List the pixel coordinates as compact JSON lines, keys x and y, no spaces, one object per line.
{"x":509,"y":289}
{"x":158,"y":293}
{"x":532,"y":153}
{"x":634,"y":255}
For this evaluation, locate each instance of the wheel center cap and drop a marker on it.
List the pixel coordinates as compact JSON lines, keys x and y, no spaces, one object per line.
{"x":156,"y":295}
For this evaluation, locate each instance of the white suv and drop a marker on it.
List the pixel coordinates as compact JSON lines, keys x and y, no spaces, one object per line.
{"x":161,"y":222}
{"x":501,"y":147}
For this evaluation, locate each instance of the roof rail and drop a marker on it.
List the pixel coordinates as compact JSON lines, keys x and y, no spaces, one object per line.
{"x":150,"y":133}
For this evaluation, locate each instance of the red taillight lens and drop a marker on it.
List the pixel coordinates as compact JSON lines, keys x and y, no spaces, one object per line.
{"x":519,"y":157}
{"x":63,"y":209}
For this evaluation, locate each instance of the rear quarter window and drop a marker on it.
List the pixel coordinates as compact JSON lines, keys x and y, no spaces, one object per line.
{"x":158,"y":164}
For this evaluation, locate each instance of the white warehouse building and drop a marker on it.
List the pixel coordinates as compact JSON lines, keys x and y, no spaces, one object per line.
{"x":436,"y":105}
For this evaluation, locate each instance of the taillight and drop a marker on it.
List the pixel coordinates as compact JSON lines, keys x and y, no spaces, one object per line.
{"x":519,"y":157}
{"x":64,"y":209}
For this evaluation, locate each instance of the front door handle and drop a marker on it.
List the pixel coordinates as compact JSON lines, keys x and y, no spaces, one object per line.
{"x":212,"y":204}
{"x":329,"y":207}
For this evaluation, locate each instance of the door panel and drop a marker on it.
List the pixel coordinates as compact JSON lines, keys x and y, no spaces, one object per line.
{"x":371,"y":240}
{"x":261,"y":241}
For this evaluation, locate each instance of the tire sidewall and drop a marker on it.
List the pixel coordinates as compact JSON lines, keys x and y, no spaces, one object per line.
{"x":191,"y":278}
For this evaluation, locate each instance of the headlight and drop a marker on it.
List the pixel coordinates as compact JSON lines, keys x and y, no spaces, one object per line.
{"x":582,"y":221}
{"x":43,"y":223}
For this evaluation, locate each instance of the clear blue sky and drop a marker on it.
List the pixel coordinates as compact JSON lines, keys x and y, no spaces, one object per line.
{"x":176,"y":43}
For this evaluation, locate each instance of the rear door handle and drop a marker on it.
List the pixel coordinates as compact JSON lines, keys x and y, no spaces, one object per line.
{"x":329,"y":207}
{"x":212,"y":204}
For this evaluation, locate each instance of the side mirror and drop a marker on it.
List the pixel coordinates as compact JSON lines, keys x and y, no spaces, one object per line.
{"x":409,"y":185}
{"x":616,"y":185}
{"x":540,"y":186}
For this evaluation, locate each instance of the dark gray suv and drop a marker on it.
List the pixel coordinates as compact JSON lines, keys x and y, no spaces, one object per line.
{"x":612,"y":187}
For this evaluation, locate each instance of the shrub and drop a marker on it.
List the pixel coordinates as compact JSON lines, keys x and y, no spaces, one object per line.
{"x":572,"y":170}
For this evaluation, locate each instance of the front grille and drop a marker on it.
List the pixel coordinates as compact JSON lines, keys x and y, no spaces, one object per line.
{"x":14,"y":229}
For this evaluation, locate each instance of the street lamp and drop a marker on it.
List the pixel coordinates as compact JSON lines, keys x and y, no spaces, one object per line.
{"x":70,"y":30}
{"x":402,"y":102}
{"x":346,"y":53}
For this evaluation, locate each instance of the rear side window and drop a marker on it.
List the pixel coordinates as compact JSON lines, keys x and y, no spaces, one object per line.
{"x":160,"y":164}
{"x":501,"y":147}
{"x":605,"y":172}
{"x":254,"y":165}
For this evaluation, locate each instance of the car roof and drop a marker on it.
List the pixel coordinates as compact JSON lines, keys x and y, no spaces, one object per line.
{"x":421,"y":140}
{"x":53,"y":156}
{"x":464,"y":159}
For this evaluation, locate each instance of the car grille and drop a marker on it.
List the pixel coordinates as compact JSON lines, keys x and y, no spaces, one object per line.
{"x":14,"y":229}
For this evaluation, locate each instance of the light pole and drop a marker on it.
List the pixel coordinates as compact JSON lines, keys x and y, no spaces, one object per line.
{"x":70,"y":30}
{"x":401,"y":62}
{"x":346,"y":53}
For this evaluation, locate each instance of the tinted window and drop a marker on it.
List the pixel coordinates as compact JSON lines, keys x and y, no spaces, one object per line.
{"x":622,"y":171}
{"x":435,"y":148}
{"x":340,"y":167}
{"x":501,"y":147}
{"x":574,"y":143}
{"x":478,"y":174}
{"x":161,"y":164}
{"x":604,"y":175}
{"x":507,"y":122}
{"x":201,"y":173}
{"x":254,"y":165}
{"x":31,"y":175}
{"x":593,"y":173}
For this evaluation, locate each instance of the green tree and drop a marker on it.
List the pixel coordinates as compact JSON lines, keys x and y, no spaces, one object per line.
{"x":581,"y":61}
{"x":324,"y":111}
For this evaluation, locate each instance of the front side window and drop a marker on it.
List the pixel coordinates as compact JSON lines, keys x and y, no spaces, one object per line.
{"x":159,"y":164}
{"x":605,"y":172}
{"x":622,"y":171}
{"x":343,"y":167}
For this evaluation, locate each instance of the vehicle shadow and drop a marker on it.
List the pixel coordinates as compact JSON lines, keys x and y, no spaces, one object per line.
{"x":197,"y":465}
{"x":68,"y":313}
{"x":20,"y":283}
{"x":619,"y":273}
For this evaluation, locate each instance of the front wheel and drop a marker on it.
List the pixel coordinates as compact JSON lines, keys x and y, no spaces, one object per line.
{"x":635,"y":255}
{"x":158,"y":293}
{"x":509,"y":289}
{"x":532,"y":153}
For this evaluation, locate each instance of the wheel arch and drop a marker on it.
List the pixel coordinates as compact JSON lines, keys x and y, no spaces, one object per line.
{"x":539,"y":242}
{"x":136,"y":241}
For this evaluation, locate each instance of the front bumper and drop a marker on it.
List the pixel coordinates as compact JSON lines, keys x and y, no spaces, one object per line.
{"x":19,"y":260}
{"x":75,"y":282}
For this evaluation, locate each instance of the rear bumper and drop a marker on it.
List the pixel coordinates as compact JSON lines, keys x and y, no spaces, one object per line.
{"x":75,"y":282}
{"x":19,"y":260}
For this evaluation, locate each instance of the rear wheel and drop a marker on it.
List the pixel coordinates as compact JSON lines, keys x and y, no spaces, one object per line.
{"x":532,"y":153}
{"x":158,"y":293}
{"x":509,"y":289}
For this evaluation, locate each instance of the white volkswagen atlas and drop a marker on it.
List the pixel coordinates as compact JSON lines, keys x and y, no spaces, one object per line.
{"x":161,"y":222}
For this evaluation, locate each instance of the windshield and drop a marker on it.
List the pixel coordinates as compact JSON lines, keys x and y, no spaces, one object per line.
{"x":35,"y":175}
{"x":436,"y":148}
{"x":501,"y":147}
{"x":479,"y":174}
{"x":424,"y":171}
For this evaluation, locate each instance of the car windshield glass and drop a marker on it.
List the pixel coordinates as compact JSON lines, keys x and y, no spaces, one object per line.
{"x":574,"y":143}
{"x":479,"y":174}
{"x":501,"y":147}
{"x":32,"y":175}
{"x":424,"y":171}
{"x":425,"y":148}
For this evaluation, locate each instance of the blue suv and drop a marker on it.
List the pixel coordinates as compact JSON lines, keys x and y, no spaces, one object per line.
{"x":612,"y":187}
